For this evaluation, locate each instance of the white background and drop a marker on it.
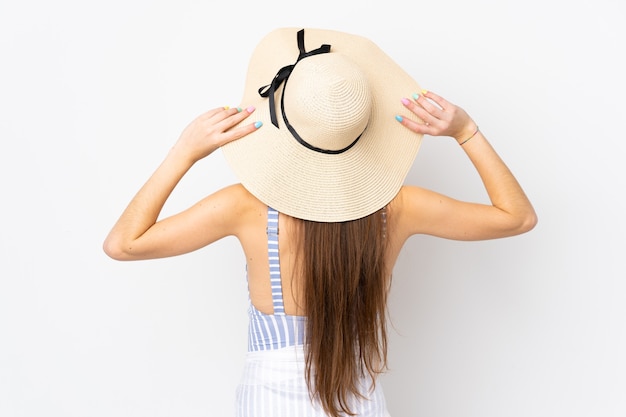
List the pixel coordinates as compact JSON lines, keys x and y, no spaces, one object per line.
{"x":93,"y":94}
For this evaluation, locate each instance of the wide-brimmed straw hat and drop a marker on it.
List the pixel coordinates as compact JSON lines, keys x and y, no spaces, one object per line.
{"x":330,"y":148}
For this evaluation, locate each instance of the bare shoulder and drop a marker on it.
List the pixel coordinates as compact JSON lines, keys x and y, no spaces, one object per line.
{"x":404,"y":210}
{"x":417,"y":210}
{"x":237,"y":200}
{"x":409,"y":199}
{"x":239,"y":193}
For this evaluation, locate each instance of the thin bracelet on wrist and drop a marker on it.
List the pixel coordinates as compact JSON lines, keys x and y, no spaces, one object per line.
{"x":473,"y":134}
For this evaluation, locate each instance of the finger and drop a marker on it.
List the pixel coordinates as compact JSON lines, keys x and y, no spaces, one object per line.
{"x":213,"y":112}
{"x":442,"y":102}
{"x":420,"y":112}
{"x":240,"y":132}
{"x":234,"y":118}
{"x":421,"y":128}
{"x":225,"y":114}
{"x":427,"y":105}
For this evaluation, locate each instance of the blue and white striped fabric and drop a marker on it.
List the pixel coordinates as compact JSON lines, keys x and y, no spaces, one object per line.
{"x":267,"y":331}
{"x":274,"y":260}
{"x":273,"y":383}
{"x":278,"y":330}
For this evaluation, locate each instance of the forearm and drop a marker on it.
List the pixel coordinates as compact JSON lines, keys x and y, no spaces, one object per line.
{"x":200,"y":138}
{"x":144,"y":209}
{"x":504,"y":192}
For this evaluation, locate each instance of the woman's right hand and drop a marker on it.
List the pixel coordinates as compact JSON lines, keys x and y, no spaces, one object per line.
{"x":439,"y":116}
{"x":212,"y":130}
{"x":137,"y":233}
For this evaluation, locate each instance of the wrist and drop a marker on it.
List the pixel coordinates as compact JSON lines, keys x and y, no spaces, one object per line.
{"x":180,"y":158}
{"x":467,"y":133}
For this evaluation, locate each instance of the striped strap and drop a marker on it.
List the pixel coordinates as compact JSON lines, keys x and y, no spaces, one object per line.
{"x":272,"y":252}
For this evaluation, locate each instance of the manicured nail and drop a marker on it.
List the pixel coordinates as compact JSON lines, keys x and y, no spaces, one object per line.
{"x":251,"y":109}
{"x":399,"y":118}
{"x":424,"y":92}
{"x":258,"y":124}
{"x":405,"y":101}
{"x":238,"y":109}
{"x":226,"y":107}
{"x":415,"y":96}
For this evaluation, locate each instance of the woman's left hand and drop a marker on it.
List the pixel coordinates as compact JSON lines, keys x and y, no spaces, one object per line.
{"x":439,"y":116}
{"x":212,"y":130}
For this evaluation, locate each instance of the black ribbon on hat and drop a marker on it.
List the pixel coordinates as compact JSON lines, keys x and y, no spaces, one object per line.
{"x":283,"y":74}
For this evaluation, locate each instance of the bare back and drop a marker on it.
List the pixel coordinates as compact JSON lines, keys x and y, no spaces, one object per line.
{"x":253,"y":240}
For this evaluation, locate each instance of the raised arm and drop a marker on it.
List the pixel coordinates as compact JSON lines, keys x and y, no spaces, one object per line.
{"x":427,"y":212}
{"x":138,"y":235}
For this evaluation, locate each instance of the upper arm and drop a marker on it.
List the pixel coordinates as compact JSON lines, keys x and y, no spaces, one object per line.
{"x":214,"y":217}
{"x":421,"y":211}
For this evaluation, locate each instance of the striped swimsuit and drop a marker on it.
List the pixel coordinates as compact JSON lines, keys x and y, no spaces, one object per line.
{"x":273,"y":383}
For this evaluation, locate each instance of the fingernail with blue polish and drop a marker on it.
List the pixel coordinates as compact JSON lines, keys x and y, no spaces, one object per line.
{"x":399,"y":118}
{"x":258,"y":124}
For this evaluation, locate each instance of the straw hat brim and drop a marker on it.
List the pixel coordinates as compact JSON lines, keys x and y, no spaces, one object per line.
{"x":309,"y":185}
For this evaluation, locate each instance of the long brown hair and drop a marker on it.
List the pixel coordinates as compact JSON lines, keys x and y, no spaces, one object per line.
{"x":345,"y":285}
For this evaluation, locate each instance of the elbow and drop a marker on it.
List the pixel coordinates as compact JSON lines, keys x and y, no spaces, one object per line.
{"x":527,"y":222}
{"x":114,"y":249}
